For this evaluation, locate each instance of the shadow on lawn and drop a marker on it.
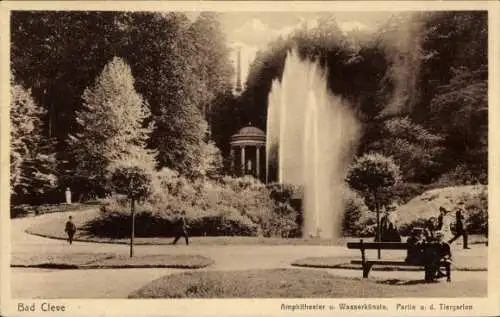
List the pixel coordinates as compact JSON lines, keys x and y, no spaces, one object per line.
{"x":396,"y":281}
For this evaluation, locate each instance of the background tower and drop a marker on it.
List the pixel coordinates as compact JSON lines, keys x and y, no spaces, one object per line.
{"x":238,"y":89}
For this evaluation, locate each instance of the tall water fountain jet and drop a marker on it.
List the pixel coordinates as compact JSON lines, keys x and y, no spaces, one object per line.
{"x":311,"y":135}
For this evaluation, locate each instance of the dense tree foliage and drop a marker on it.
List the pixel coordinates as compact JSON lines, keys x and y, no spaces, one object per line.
{"x":373,"y":176}
{"x":110,"y":124}
{"x":210,"y":59}
{"x":185,"y":72}
{"x":417,"y":151}
{"x":57,"y":54}
{"x":159,"y":57}
{"x":453,"y":85}
{"x":181,"y":68}
{"x":33,"y":166}
{"x":420,"y":82}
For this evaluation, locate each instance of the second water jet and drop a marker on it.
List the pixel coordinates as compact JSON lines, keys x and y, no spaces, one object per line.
{"x":311,"y":134}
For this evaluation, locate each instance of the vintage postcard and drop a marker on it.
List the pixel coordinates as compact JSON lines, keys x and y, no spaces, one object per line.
{"x":249,"y":158}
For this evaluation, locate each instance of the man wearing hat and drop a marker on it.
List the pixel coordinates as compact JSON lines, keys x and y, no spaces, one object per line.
{"x":388,"y":228}
{"x":460,"y":226}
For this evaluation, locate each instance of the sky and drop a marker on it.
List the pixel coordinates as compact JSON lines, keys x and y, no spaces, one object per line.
{"x":258,"y":28}
{"x":252,"y":31}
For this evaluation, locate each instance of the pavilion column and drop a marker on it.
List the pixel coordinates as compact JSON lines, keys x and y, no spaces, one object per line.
{"x":231,"y":157}
{"x":257,"y":165}
{"x":243,"y":165}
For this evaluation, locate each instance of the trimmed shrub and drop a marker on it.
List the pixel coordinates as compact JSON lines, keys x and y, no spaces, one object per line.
{"x":373,"y":176}
{"x":282,"y":221}
{"x":18,"y":211}
{"x":229,"y":207}
{"x":285,"y":192}
{"x":355,"y":213}
{"x":227,"y":222}
{"x":286,"y":218}
{"x":147,"y":224}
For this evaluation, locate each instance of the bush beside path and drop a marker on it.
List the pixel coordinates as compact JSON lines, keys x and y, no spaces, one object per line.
{"x":52,"y":226}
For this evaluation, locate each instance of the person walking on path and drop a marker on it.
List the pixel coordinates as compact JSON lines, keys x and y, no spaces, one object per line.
{"x":460,"y":227}
{"x":182,"y":229}
{"x":70,"y":229}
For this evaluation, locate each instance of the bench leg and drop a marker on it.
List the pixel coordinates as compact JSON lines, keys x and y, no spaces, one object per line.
{"x":366,"y":269}
{"x":448,"y":271}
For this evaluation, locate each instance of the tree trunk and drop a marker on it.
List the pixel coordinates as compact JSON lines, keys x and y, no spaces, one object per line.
{"x":132,"y":231}
{"x":378,"y":235}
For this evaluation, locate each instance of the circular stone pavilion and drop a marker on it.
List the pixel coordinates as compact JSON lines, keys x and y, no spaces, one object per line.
{"x":248,"y":151}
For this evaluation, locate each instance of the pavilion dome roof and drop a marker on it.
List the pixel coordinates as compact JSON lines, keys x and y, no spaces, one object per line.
{"x":249,"y":133}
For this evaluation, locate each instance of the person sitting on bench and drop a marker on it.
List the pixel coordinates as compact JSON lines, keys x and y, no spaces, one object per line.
{"x":435,"y":254}
{"x":415,"y":243}
{"x":388,"y":229}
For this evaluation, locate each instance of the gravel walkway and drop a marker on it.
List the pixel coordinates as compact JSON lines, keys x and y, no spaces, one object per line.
{"x":118,"y":283}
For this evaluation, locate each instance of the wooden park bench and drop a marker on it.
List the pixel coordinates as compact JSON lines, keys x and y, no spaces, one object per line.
{"x":367,"y":264}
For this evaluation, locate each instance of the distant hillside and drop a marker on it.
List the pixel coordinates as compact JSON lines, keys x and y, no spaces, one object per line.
{"x":427,"y":205}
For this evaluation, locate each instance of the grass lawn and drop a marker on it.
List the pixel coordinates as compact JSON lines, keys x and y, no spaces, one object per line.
{"x":297,"y":283}
{"x":460,"y":263}
{"x":65,"y":260}
{"x":109,"y":260}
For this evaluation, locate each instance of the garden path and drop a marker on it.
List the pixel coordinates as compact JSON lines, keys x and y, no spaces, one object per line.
{"x":118,"y":283}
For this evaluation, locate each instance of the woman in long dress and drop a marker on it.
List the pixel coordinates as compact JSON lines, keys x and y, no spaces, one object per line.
{"x":445,"y":224}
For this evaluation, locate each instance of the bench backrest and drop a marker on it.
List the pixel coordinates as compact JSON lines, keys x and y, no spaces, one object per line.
{"x":378,"y":245}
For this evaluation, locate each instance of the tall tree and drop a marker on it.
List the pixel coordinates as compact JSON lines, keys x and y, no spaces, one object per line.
{"x":32,"y":166}
{"x":453,"y":83}
{"x":111,"y":124}
{"x":160,"y":54}
{"x":210,"y":61}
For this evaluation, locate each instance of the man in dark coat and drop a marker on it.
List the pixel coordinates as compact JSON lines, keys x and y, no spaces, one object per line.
{"x":70,"y":229}
{"x":442,"y":212}
{"x":388,"y":229}
{"x":436,"y":254}
{"x":415,"y":243}
{"x":460,"y":229}
{"x":182,"y":229}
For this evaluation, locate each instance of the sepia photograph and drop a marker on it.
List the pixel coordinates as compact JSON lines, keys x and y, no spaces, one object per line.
{"x":250,"y":154}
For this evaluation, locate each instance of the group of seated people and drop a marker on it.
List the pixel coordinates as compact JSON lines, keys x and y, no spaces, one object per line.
{"x":427,"y":248}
